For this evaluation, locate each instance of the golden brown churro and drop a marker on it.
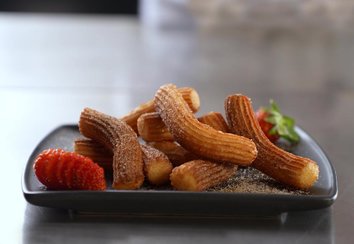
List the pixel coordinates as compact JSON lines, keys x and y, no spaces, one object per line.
{"x":189,"y":94}
{"x":157,"y":166}
{"x":175,"y":153}
{"x":199,"y":138}
{"x":152,"y":128}
{"x":96,"y":151}
{"x":117,"y":136}
{"x":199,"y":175}
{"x":215,"y":120}
{"x":283,"y":166}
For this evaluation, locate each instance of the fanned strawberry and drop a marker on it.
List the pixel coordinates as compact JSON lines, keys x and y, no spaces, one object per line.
{"x":275,"y":125}
{"x":60,"y":170}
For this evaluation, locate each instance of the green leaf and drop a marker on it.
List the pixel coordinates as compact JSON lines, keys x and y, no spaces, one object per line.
{"x":271,"y":119}
{"x":274,"y":106}
{"x":273,"y":131}
{"x":283,"y":125}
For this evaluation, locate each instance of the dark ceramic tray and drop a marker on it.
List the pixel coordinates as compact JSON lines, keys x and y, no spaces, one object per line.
{"x":169,"y":202}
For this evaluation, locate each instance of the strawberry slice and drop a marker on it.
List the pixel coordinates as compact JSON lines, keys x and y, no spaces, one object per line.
{"x":275,"y":125}
{"x":60,"y":170}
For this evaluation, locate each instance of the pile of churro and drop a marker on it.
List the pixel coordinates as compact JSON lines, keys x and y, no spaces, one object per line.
{"x":162,"y":142}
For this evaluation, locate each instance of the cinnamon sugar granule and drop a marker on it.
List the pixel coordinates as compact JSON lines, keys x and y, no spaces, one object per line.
{"x":250,"y":180}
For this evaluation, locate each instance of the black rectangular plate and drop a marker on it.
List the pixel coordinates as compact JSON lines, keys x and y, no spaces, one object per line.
{"x":169,"y":202}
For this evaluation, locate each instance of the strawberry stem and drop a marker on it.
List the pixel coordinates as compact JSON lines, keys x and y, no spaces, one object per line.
{"x":283,"y":125}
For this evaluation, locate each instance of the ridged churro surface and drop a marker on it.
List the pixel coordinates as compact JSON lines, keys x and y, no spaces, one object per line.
{"x":199,"y":175}
{"x":157,"y":166}
{"x":117,"y":136}
{"x":214,"y":120}
{"x":189,"y":94}
{"x":175,"y":153}
{"x":132,"y":117}
{"x":95,"y":151}
{"x":199,"y":138}
{"x":152,"y":128}
{"x":283,"y":166}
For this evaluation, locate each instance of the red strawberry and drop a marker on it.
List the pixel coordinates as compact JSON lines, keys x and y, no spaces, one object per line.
{"x":262,"y":115}
{"x":275,"y":125}
{"x":60,"y":170}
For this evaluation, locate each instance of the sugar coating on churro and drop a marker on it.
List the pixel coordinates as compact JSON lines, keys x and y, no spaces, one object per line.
{"x":117,"y":136}
{"x":96,"y":151}
{"x":199,"y":138}
{"x":215,"y":120}
{"x":152,"y":128}
{"x":283,"y":166}
{"x":132,"y":117}
{"x":205,"y":151}
{"x":199,"y":175}
{"x":175,"y":152}
{"x":157,"y":166}
{"x":189,"y":94}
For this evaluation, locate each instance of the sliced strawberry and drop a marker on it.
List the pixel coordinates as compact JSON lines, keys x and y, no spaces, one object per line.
{"x":57,"y":169}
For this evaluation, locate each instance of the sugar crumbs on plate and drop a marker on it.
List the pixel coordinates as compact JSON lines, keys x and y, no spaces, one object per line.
{"x":250,"y":180}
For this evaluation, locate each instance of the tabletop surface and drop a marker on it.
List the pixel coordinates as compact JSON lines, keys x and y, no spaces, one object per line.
{"x":52,"y":66}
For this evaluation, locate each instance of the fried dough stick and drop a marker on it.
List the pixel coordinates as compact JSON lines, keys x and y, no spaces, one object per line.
{"x":157,"y":166}
{"x":199,"y":175}
{"x":152,"y":128}
{"x":118,"y":137}
{"x":283,"y":166}
{"x":189,"y":94}
{"x":175,"y":153}
{"x":96,"y":151}
{"x":215,"y":120}
{"x":199,"y":138}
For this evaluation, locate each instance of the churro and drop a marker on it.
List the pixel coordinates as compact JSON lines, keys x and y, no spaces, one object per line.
{"x":151,"y":128}
{"x":215,"y":120}
{"x":157,"y":166}
{"x":199,"y":138}
{"x":283,"y":166}
{"x":199,"y":175}
{"x":95,"y":151}
{"x":175,"y":153}
{"x":118,"y":137}
{"x":189,"y":94}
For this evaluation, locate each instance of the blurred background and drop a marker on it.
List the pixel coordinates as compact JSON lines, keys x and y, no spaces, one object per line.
{"x":295,"y":51}
{"x":58,"y":56}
